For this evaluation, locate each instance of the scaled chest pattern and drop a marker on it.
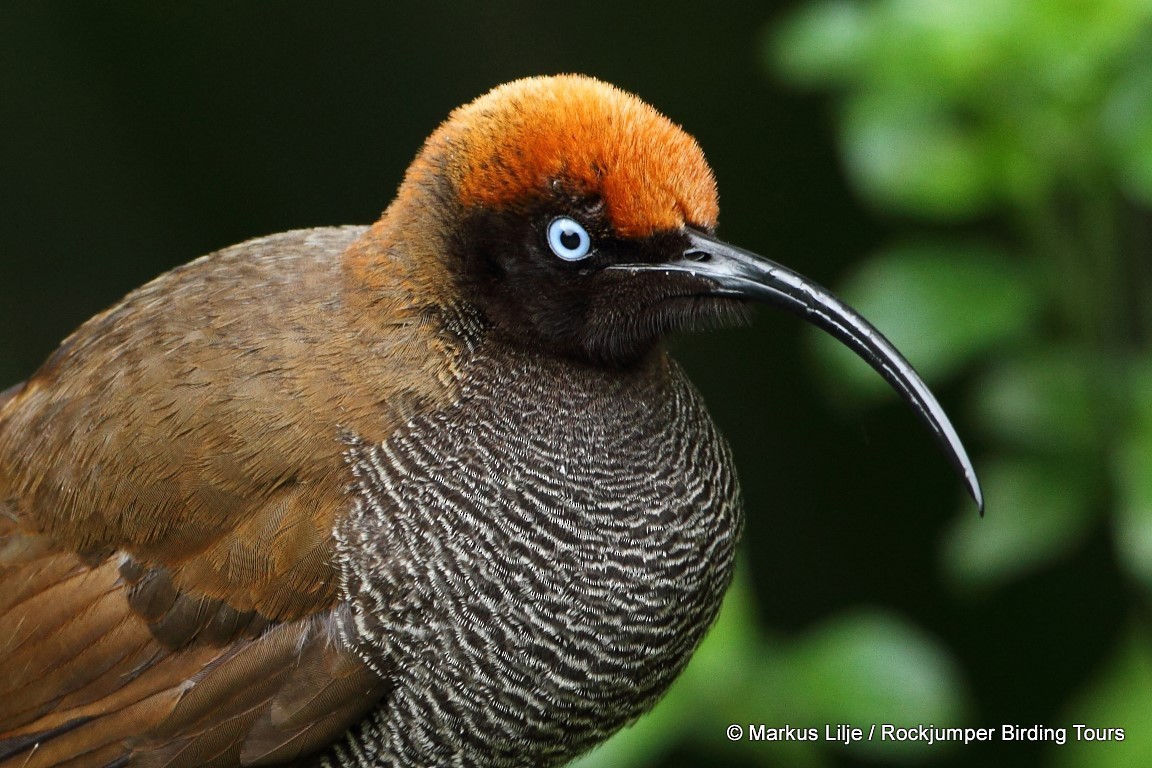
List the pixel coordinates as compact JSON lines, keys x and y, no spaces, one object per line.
{"x":535,"y":564}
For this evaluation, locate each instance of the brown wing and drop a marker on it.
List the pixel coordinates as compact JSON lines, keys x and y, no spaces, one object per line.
{"x":169,"y":483}
{"x":86,"y":683}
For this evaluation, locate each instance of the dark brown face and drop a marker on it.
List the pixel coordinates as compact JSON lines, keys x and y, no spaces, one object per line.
{"x":548,"y":275}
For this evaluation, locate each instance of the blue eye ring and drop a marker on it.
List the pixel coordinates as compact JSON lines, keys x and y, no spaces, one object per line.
{"x":568,"y":239}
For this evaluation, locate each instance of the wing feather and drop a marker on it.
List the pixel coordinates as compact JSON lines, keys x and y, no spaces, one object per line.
{"x":169,"y":483}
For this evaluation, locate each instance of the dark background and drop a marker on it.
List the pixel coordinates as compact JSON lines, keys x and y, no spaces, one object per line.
{"x":135,"y":136}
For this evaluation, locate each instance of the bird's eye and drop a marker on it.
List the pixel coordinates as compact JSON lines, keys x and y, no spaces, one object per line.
{"x":568,"y":239}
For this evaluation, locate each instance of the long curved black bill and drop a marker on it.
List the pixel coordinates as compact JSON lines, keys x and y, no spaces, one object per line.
{"x":741,"y":274}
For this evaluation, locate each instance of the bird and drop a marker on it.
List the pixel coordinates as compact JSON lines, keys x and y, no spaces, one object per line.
{"x":429,"y":492}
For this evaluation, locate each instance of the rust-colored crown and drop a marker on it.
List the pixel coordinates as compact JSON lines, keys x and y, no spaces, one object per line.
{"x":591,"y":138}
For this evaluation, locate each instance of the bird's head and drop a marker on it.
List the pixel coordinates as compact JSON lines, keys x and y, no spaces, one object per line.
{"x":548,"y":186}
{"x":580,"y":221}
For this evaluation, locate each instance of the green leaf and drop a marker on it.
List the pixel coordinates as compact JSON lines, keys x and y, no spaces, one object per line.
{"x":1118,"y":698}
{"x":940,"y":304}
{"x":907,"y":154}
{"x":1037,"y":511}
{"x":821,"y":43}
{"x":1127,"y":127}
{"x":1046,"y":400}
{"x":946,"y":49}
{"x":1133,"y":521}
{"x":1133,"y":524}
{"x":867,"y":667}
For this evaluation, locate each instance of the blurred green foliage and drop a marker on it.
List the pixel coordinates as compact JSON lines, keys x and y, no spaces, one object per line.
{"x":951,"y":108}
{"x":1034,"y":120}
{"x":1026,"y":124}
{"x":1013,"y":139}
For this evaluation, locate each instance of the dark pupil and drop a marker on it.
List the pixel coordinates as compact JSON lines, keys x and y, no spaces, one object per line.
{"x":570,"y":239}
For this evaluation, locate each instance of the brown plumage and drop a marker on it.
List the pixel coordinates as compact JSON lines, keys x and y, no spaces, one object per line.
{"x":170,"y":481}
{"x":224,"y":529}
